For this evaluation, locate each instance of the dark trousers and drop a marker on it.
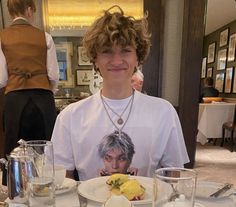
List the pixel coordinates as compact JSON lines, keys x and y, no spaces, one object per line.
{"x":28,"y":115}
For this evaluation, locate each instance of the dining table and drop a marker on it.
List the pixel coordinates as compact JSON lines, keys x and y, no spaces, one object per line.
{"x":72,"y":198}
{"x":211,"y":117}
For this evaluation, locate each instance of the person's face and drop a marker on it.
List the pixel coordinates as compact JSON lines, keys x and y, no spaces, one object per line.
{"x":136,"y":83}
{"x":115,"y":161}
{"x":117,"y":64}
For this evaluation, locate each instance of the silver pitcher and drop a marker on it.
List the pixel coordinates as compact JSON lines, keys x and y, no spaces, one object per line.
{"x":20,"y":167}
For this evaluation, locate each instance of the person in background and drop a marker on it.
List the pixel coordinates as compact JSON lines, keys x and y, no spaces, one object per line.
{"x":117,"y":153}
{"x":29,"y":73}
{"x":118,"y":44}
{"x":208,"y":89}
{"x":137,"y":80}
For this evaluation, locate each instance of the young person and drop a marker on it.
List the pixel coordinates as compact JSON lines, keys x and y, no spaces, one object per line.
{"x":117,"y":151}
{"x":117,"y":44}
{"x":29,"y":73}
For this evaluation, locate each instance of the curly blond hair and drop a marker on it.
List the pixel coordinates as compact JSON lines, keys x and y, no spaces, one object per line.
{"x":116,"y":29}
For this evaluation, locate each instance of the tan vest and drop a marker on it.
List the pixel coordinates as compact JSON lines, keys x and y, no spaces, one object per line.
{"x":25,"y":49}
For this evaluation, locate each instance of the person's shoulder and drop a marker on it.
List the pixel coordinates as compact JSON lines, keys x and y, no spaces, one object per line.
{"x":154,"y":101}
{"x":80,"y":105}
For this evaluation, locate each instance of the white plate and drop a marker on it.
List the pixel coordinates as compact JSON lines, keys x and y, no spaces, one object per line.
{"x":204,"y":189}
{"x":68,"y":185}
{"x":97,"y":190}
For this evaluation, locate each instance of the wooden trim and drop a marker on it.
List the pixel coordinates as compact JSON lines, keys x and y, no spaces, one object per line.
{"x":152,"y":67}
{"x":191,"y":58}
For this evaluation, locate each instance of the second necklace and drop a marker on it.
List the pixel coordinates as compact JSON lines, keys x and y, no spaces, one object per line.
{"x":120,"y":120}
{"x":124,"y":122}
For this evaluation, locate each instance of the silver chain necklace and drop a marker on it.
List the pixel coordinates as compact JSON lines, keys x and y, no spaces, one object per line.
{"x":130,"y":109}
{"x":120,"y":121}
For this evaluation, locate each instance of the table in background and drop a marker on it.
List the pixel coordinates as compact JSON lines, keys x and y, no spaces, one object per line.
{"x":211,"y":117}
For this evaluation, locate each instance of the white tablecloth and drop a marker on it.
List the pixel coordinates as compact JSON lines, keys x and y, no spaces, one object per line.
{"x":71,"y":200}
{"x":211,"y":118}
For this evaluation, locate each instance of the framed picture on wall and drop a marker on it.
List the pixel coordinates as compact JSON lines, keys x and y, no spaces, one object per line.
{"x":204,"y":63}
{"x":234,"y":82}
{"x":211,"y":53}
{"x":84,"y":77}
{"x":232,"y":44}
{"x":219,"y":82}
{"x":224,"y":37}
{"x":228,"y":79}
{"x":209,"y":72}
{"x":221,"y":59}
{"x":82,"y":57}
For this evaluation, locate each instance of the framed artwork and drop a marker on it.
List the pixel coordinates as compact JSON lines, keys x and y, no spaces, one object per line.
{"x":64,"y":53}
{"x":82,"y":57}
{"x":234,"y":82}
{"x":221,"y":59}
{"x":219,"y":83}
{"x":224,"y":37}
{"x":204,"y":63}
{"x":211,"y":53}
{"x":209,"y":72}
{"x":232,"y":44}
{"x":228,"y":79}
{"x":84,"y":77}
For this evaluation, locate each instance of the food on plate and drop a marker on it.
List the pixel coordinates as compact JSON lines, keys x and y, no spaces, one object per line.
{"x":116,"y":180}
{"x":130,"y":188}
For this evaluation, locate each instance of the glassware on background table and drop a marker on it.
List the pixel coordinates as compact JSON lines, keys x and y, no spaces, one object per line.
{"x":41,"y":186}
{"x":174,"y":187}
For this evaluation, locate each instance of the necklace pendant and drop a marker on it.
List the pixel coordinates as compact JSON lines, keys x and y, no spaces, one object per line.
{"x":120,"y":121}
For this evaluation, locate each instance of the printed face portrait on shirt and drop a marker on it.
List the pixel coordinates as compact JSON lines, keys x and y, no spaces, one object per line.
{"x":116,"y":150}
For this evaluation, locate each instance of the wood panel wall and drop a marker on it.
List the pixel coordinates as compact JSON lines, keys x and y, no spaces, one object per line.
{"x":192,"y":46}
{"x":191,"y":55}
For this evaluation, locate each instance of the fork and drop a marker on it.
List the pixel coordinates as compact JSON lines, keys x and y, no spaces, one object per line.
{"x":174,"y":194}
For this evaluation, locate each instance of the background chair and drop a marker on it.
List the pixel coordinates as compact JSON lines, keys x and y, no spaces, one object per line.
{"x":231,"y":127}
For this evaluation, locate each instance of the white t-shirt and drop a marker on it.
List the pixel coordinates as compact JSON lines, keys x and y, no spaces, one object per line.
{"x":153,"y":126}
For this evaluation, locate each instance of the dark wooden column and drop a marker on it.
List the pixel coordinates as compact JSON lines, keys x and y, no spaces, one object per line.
{"x":191,"y":58}
{"x":153,"y":65}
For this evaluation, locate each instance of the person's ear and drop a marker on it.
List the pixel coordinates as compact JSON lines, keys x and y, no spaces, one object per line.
{"x":29,"y":13}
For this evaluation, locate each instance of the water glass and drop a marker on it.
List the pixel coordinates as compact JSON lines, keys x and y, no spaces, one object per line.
{"x":174,"y":187}
{"x":41,"y":186}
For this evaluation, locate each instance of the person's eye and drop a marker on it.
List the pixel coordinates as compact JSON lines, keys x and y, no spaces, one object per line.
{"x":123,"y":158}
{"x":106,"y":51}
{"x":126,"y":50}
{"x":108,"y":158}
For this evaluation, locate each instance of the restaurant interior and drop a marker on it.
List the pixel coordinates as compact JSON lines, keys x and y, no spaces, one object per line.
{"x":189,"y":44}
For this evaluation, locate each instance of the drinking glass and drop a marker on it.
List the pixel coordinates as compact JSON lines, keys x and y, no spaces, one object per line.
{"x":174,"y":187}
{"x":41,"y":186}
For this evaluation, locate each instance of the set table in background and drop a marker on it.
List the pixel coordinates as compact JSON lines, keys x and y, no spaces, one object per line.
{"x":211,"y":117}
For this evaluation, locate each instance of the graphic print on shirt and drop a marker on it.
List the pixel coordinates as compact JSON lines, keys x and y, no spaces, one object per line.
{"x":116,"y":151}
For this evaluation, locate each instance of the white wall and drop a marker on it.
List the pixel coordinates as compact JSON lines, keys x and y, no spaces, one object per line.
{"x":172,"y":50}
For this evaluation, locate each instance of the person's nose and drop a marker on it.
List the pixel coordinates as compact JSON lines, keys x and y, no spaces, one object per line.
{"x":114,"y":164}
{"x":117,"y":58}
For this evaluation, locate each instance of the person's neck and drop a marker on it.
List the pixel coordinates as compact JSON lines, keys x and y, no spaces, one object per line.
{"x":117,"y":92}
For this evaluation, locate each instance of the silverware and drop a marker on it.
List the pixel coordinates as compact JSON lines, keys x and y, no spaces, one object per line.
{"x":82,"y":201}
{"x":222,"y":190}
{"x":174,"y":194}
